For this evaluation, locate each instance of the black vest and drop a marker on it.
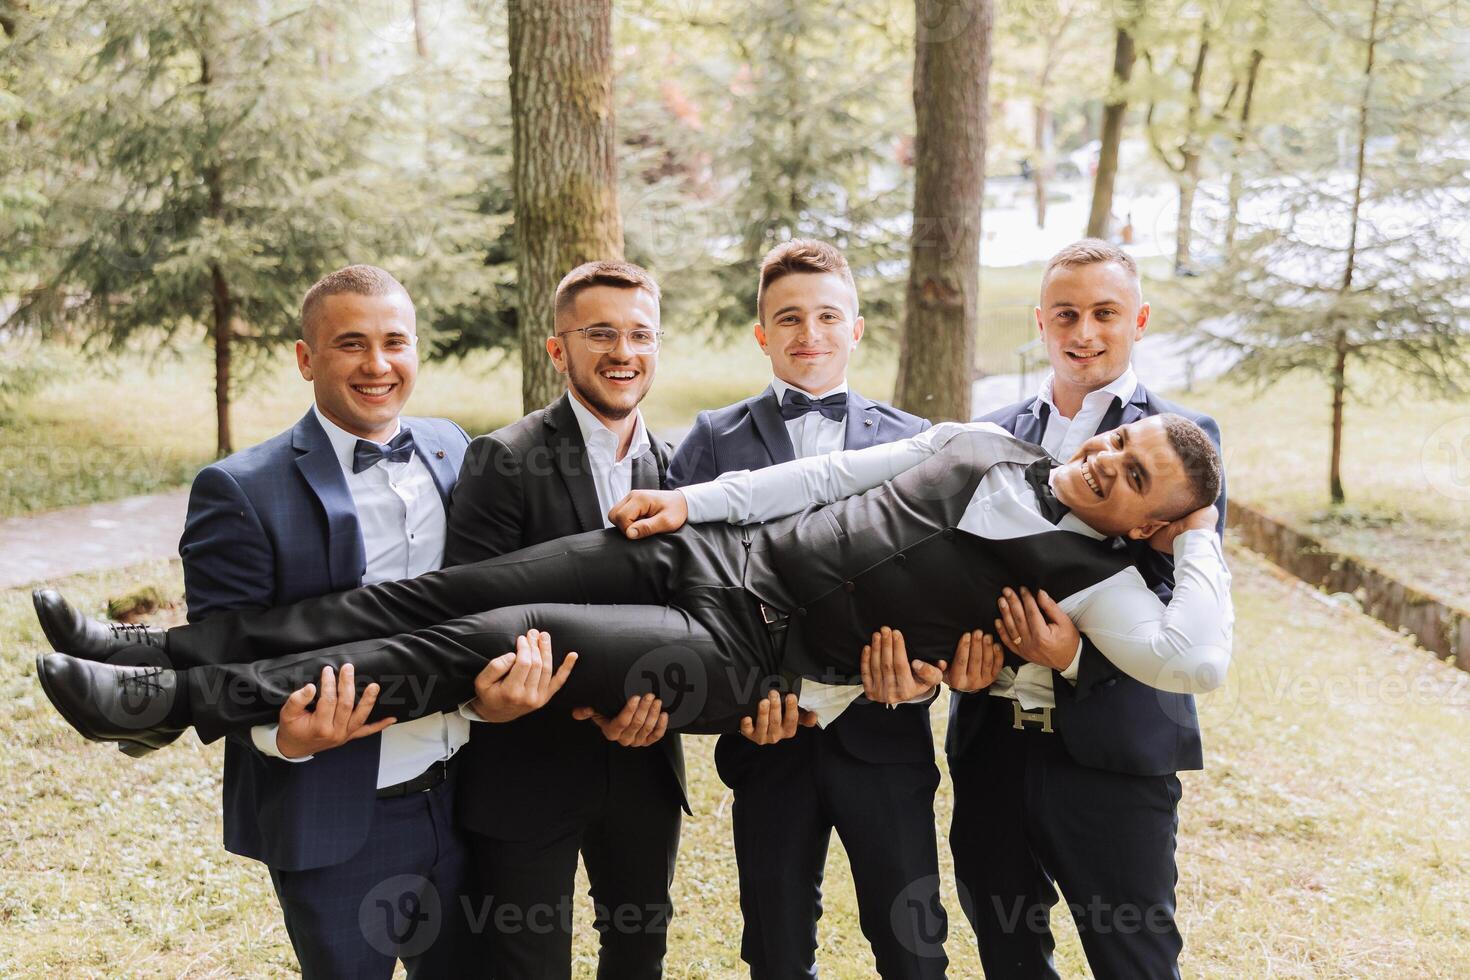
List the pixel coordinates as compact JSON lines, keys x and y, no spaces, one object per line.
{"x":894,"y":557}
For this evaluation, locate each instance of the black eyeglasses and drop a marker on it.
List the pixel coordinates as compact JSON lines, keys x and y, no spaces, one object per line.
{"x":603,"y":340}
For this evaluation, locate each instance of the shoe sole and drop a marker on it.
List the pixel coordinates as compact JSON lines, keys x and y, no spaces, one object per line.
{"x":131,"y":747}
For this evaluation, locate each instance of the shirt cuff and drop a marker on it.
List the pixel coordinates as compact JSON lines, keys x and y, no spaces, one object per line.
{"x":1070,"y":673}
{"x":707,"y":503}
{"x":467,"y":710}
{"x":264,"y":737}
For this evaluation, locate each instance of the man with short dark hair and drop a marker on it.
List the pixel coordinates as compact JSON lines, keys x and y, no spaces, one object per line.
{"x":793,"y":785}
{"x":1088,"y":802}
{"x":544,"y":788}
{"x":345,"y":813}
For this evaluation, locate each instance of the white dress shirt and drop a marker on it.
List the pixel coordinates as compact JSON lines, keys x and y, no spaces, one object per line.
{"x":1182,"y":647}
{"x":613,"y":476}
{"x":813,"y":432}
{"x":401,"y":516}
{"x":1062,"y":436}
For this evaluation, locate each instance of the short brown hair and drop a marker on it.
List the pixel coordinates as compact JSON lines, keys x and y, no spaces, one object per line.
{"x":1090,"y":251}
{"x":619,"y":275}
{"x":1202,"y":470}
{"x":802,"y":255}
{"x":360,"y":280}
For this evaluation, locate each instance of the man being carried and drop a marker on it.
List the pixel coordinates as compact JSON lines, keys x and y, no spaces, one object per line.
{"x":920,"y":534}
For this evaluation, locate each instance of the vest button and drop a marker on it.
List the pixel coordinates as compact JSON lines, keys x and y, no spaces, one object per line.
{"x":850,"y":586}
{"x":801,"y":610}
{"x":947,"y":534}
{"x":900,"y":557}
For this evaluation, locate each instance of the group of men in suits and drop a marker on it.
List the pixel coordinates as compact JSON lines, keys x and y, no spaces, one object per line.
{"x":482,"y":813}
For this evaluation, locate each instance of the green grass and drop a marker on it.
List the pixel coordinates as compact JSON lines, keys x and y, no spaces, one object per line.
{"x":1326,"y":839}
{"x":1404,"y":465}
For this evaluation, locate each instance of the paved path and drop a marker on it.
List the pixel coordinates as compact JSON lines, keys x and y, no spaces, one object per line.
{"x":121,"y":532}
{"x":87,"y":539}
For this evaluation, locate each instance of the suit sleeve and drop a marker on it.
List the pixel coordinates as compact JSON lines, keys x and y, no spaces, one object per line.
{"x":229,"y":563}
{"x":487,"y":507}
{"x":694,"y":461}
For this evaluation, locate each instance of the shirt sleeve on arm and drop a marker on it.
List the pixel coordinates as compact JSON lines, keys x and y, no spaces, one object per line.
{"x":1183,"y":647}
{"x":750,"y":496}
{"x":264,"y":738}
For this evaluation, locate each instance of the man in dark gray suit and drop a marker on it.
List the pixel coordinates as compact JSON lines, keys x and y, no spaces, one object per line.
{"x":543,"y":788}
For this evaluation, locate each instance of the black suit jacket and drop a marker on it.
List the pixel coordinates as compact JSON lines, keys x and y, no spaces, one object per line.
{"x":522,"y":485}
{"x":1107,"y":720}
{"x":749,"y":435}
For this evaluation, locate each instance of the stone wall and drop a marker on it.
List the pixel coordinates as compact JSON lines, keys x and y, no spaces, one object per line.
{"x":1438,"y":626}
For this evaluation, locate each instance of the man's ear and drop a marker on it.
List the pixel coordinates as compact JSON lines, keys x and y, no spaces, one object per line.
{"x":1147,"y":529}
{"x":1143,"y":312}
{"x":760,"y":337}
{"x":558,"y":354}
{"x":303,"y":359}
{"x":858,"y":326}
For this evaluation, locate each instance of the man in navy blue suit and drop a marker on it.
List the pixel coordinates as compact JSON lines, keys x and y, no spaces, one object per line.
{"x":1087,"y":801}
{"x":355,"y":821}
{"x":871,"y":775}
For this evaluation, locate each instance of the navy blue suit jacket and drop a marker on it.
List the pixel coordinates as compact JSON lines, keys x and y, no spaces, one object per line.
{"x":1108,"y":720}
{"x":268,"y":526}
{"x":750,"y":435}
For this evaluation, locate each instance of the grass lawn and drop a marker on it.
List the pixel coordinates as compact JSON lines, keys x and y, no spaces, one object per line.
{"x":1327,"y":838}
{"x":1405,"y":471}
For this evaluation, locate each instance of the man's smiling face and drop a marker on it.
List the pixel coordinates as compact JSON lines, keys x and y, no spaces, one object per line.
{"x":1126,"y":481}
{"x":613,"y":383}
{"x":809,"y":327}
{"x":361,"y":355}
{"x":1090,"y":315}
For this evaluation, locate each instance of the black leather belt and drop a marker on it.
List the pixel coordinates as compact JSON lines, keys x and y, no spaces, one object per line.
{"x":426,"y":780}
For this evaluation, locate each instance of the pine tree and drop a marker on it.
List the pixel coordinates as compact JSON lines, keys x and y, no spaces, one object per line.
{"x":1345,"y":257}
{"x":209,"y":165}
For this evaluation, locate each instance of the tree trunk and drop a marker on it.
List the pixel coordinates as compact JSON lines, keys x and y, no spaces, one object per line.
{"x":1041,"y":140}
{"x":1232,"y":217}
{"x":1184,"y":228}
{"x":224,"y":317}
{"x":222,"y":330}
{"x":564,"y":174}
{"x":1112,"y":128}
{"x":1342,"y":344}
{"x":1189,"y":156}
{"x":951,"y":81}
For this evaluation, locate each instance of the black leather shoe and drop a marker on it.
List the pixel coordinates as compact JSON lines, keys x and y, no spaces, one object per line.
{"x":127,"y":705}
{"x":68,"y":631}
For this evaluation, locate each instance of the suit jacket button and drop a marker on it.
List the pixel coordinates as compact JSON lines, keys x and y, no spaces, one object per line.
{"x":947,"y":534}
{"x":850,"y":586}
{"x":900,"y":557}
{"x":801,"y":610}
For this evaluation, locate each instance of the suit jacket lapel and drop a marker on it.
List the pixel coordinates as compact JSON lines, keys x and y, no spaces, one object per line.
{"x":1122,"y":413}
{"x":426,"y":443}
{"x":1031,"y":423}
{"x":318,"y":463}
{"x":564,"y":437}
{"x":863,"y":423}
{"x":765,"y":412}
{"x":647,"y":474}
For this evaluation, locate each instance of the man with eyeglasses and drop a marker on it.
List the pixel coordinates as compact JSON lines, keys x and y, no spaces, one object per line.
{"x":545,"y":786}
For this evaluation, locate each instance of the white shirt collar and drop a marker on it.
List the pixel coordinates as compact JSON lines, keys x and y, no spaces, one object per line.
{"x":344,"y":443}
{"x":594,"y":433}
{"x":781,"y":388}
{"x":1122,"y":387}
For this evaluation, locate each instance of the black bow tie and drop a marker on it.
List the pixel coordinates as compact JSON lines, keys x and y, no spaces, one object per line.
{"x":794,"y":405}
{"x":1038,"y":475}
{"x":366,"y":455}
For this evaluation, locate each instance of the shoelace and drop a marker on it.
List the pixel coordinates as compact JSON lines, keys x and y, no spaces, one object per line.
{"x":146,"y":680}
{"x":136,"y":633}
